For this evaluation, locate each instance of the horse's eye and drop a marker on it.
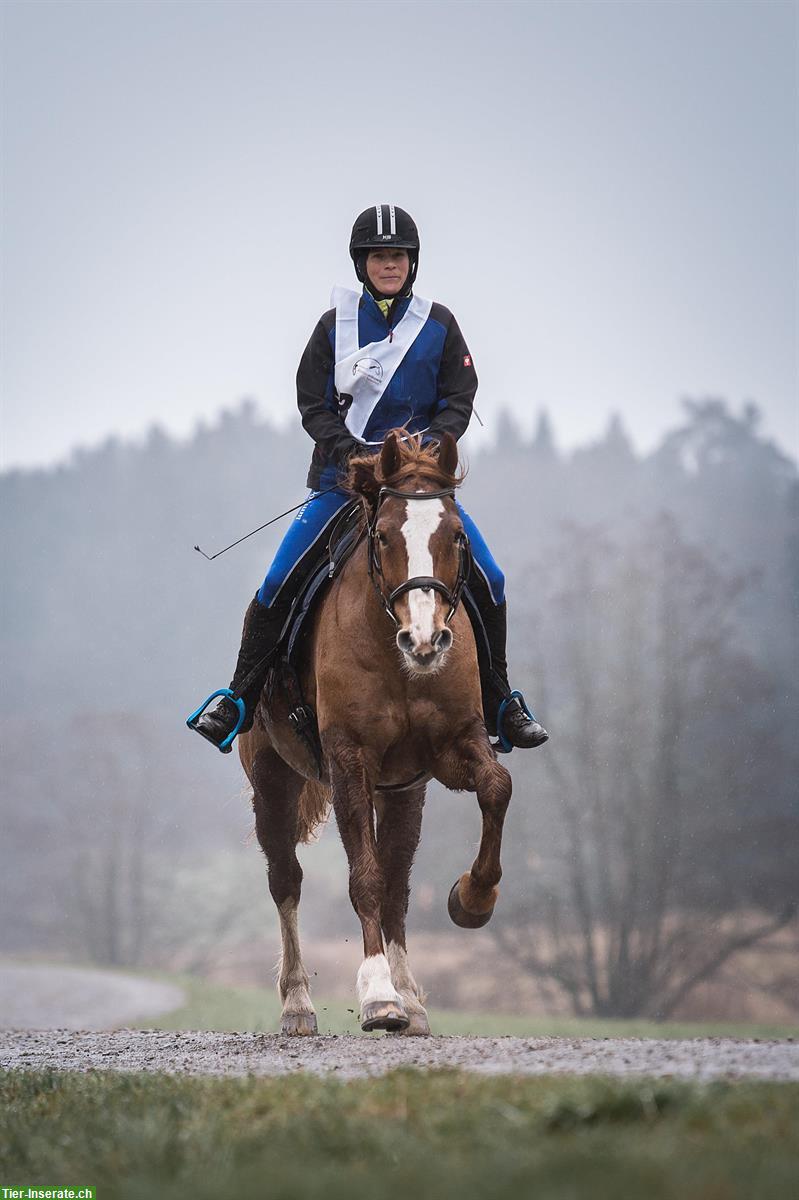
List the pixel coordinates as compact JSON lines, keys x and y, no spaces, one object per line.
{"x":381,"y":537}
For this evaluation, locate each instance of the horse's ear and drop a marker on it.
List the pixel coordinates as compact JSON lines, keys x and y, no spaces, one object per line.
{"x":448,"y":454}
{"x":390,"y":455}
{"x":361,"y":479}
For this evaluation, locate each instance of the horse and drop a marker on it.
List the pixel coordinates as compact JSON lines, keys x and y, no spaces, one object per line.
{"x":390,"y":668}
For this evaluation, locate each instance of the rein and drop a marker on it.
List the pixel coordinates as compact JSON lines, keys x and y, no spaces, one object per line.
{"x":426,"y":583}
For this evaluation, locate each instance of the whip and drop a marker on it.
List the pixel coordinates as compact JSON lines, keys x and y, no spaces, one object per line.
{"x":238,"y":541}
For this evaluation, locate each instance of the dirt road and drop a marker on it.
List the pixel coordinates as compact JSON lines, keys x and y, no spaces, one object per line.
{"x":348,"y":1057}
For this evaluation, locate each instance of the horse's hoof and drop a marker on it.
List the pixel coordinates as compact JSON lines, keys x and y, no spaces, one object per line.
{"x":302,"y":1024}
{"x":419,"y":1026}
{"x":384,"y":1014}
{"x":461,"y":916}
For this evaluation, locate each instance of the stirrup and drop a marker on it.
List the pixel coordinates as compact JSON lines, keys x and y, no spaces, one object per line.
{"x":226,"y":745}
{"x":502,"y":745}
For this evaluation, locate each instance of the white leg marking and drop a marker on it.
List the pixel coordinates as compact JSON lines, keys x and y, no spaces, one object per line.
{"x":292,"y":978}
{"x":420,"y":524}
{"x":374,"y":981}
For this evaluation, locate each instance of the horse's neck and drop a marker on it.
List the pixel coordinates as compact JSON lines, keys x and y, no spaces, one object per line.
{"x":355,"y":575}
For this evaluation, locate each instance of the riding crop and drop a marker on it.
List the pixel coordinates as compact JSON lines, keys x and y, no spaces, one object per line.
{"x":238,"y":542}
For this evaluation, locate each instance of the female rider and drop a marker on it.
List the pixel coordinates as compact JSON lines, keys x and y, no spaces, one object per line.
{"x":418,"y":374}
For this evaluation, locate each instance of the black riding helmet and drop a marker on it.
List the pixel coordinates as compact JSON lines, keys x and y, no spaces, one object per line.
{"x":384,"y":226}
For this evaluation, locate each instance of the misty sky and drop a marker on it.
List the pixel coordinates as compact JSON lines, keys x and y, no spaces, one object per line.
{"x":606,"y":194}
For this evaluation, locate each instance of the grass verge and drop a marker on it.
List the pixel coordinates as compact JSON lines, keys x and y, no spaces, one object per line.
{"x":442,"y":1134}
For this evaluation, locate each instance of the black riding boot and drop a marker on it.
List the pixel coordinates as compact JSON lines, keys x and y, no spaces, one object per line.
{"x":262,"y":628}
{"x":519,"y":726}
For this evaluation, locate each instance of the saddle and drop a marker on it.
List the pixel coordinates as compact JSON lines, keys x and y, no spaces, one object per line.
{"x":346,"y":535}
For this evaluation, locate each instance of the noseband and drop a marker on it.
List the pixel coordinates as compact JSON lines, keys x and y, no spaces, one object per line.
{"x":427,"y":583}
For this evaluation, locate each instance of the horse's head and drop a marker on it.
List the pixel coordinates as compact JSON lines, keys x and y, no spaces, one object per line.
{"x":418,"y":550}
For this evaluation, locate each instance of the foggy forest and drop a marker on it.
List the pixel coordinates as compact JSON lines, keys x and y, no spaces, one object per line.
{"x":650,"y":856}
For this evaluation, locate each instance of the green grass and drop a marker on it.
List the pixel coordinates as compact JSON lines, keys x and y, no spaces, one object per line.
{"x":210,"y":1006}
{"x":440,"y":1135}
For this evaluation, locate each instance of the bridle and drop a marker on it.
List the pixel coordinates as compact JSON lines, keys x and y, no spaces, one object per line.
{"x":427,"y":583}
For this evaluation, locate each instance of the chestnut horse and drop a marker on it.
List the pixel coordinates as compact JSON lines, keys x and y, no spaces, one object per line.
{"x":391,"y":671}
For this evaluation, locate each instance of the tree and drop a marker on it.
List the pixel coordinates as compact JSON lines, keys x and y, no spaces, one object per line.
{"x":667,"y":868}
{"x":543,"y":447}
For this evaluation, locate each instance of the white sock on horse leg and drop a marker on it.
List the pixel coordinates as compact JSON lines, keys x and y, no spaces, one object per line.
{"x":374,"y":981}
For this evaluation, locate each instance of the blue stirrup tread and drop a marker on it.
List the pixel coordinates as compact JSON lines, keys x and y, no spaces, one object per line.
{"x":226,"y":745}
{"x":504,"y":745}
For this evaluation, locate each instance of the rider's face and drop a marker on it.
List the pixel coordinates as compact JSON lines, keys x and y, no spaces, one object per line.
{"x":387,"y":270}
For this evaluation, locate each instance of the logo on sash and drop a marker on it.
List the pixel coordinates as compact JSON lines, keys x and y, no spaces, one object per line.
{"x":370,"y":368}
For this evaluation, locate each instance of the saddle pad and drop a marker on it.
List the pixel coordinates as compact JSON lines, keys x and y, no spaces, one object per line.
{"x":346,"y":534}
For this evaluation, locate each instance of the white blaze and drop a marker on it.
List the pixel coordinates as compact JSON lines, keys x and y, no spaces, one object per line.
{"x":421,"y":522}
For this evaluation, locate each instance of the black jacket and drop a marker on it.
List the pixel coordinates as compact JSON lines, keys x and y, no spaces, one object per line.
{"x":432,"y":391}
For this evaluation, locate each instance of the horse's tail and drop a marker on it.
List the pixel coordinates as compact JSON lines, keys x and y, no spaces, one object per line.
{"x":314,"y":806}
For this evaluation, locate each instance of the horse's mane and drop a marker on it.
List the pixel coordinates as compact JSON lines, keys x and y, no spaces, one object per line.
{"x":408,"y":462}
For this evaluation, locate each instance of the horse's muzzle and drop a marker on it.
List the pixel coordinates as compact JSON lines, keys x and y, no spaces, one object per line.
{"x":427,"y":655}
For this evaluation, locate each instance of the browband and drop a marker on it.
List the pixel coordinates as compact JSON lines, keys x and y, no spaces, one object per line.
{"x":387,"y":491}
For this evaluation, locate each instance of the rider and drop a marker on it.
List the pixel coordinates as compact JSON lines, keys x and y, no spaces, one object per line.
{"x":421,"y":377}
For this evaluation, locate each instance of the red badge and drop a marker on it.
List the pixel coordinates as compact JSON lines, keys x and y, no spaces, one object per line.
{"x":467,"y":360}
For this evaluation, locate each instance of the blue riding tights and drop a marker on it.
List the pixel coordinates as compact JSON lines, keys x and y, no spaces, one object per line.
{"x":314,"y":521}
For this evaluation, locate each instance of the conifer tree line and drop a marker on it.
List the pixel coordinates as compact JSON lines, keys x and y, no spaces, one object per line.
{"x":652,"y":609}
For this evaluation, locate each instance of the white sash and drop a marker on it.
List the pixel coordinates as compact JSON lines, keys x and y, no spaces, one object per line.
{"x":364,"y":372}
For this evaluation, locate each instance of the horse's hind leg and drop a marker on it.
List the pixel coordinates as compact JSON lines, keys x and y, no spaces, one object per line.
{"x":473,"y":766}
{"x":277,"y":790}
{"x":399,"y":824}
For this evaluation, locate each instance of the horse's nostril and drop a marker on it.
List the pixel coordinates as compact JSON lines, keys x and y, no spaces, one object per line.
{"x":442,"y":640}
{"x":405,"y":641}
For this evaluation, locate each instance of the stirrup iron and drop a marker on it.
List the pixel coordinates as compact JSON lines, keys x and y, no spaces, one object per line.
{"x":224,"y":746}
{"x":502,"y":745}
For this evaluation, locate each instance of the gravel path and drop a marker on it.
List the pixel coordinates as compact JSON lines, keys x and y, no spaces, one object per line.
{"x":348,"y":1057}
{"x":44,"y":1012}
{"x":44,"y":997}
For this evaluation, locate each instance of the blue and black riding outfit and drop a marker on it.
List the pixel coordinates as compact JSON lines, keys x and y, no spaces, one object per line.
{"x":431,"y":392}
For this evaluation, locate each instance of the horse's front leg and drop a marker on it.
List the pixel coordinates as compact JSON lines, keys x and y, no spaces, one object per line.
{"x":380,"y":1004}
{"x":399,"y":824}
{"x":472,"y":765}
